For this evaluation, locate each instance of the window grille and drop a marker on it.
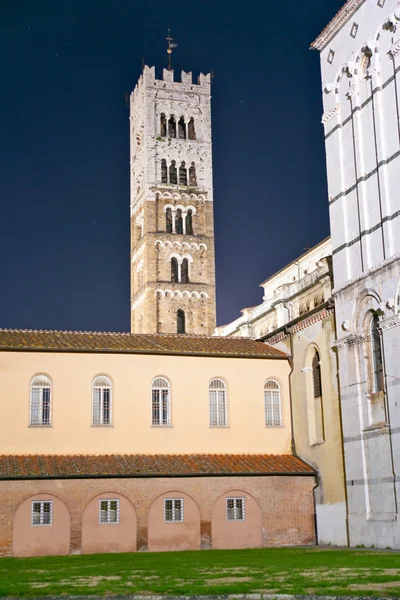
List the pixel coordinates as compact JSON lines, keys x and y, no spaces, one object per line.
{"x":160,"y":400}
{"x":173,"y":510}
{"x":316,"y":373}
{"x":109,"y":512}
{"x":377,"y":355}
{"x":102,"y":401}
{"x":42,"y":512}
{"x":40,"y":401}
{"x":273,"y":406}
{"x":218,"y":408}
{"x":235,"y":509}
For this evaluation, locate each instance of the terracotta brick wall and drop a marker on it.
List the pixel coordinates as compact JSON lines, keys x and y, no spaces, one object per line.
{"x":286,"y":503}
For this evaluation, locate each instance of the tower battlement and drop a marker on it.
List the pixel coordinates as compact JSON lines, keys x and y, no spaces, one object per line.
{"x":148,"y":78}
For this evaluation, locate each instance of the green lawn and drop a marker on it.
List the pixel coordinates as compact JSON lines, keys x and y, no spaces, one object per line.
{"x":286,"y":570}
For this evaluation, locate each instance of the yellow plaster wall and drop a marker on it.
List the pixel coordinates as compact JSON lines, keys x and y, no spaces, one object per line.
{"x":71,"y":431}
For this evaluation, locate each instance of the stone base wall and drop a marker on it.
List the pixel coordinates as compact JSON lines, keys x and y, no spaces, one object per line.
{"x":279,"y":510}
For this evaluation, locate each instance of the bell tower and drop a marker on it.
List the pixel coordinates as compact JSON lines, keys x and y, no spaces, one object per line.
{"x":172,"y":223}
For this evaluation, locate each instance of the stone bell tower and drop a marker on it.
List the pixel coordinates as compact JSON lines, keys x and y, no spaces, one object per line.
{"x":172,"y":224}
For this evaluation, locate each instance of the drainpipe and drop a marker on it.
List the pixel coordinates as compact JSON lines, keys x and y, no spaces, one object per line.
{"x":293,"y":441}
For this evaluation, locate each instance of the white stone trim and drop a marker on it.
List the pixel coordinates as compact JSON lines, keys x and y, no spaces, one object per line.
{"x":330,"y":114}
{"x":366,"y":274}
{"x":180,"y":245}
{"x":138,"y":253}
{"x":181,"y":294}
{"x":138,"y":301}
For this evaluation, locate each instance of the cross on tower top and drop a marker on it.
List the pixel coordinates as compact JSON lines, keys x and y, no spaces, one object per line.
{"x":170,"y":46}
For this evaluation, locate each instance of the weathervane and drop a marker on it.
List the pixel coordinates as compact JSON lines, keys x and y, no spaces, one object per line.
{"x":170,"y":46}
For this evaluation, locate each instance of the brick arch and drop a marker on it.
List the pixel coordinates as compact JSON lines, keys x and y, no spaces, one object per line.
{"x":41,"y":540}
{"x":164,"y":536}
{"x":116,"y":537}
{"x":236,"y":534}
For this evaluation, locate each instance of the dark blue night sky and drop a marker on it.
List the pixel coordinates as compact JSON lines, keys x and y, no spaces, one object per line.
{"x":64,"y":178}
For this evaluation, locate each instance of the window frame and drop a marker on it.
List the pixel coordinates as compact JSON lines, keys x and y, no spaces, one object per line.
{"x":40,"y":422}
{"x":94,"y":387}
{"x":234,"y":508}
{"x":217,"y":408}
{"x":42,"y":512}
{"x":173,"y":509}
{"x":168,"y":422}
{"x":109,"y":511}
{"x":272,"y":407}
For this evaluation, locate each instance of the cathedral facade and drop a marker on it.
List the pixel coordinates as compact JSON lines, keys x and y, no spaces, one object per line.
{"x":172,"y":222}
{"x":360,"y":51}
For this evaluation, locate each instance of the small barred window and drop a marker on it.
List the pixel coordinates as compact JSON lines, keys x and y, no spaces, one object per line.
{"x":173,"y":510}
{"x":109,"y":512}
{"x":42,"y":512}
{"x":235,"y":509}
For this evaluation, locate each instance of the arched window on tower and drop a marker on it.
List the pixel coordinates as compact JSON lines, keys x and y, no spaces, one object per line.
{"x":189,"y":222}
{"x":163,"y":125}
{"x":168,"y":219}
{"x":179,"y":221}
{"x":172,"y":127}
{"x":173,"y":178}
{"x":182,"y":174}
{"x":185,"y":271}
{"x":174,"y":270}
{"x":191,"y":129}
{"x":180,"y":321}
{"x":164,"y":171}
{"x":192,"y":175}
{"x":182,"y":129}
{"x":376,"y":355}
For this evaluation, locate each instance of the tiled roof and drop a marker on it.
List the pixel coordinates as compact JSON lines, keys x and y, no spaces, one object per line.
{"x":86,"y":341}
{"x":341,"y":17}
{"x":146,"y":465}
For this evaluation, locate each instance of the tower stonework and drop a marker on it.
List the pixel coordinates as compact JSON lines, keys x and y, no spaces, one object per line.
{"x":172,"y":223}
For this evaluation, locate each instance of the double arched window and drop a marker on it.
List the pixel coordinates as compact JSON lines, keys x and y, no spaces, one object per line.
{"x":218,"y":405}
{"x":40,"y":401}
{"x":179,"y":270}
{"x":102,"y":401}
{"x":160,"y":402}
{"x":273,"y":404}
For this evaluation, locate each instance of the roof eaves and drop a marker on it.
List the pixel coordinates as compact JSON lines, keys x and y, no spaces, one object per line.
{"x":340,"y":19}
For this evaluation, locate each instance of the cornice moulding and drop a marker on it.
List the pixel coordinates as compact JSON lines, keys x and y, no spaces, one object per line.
{"x":340,"y":19}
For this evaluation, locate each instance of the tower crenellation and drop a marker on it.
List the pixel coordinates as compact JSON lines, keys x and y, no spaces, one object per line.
{"x":172,"y":229}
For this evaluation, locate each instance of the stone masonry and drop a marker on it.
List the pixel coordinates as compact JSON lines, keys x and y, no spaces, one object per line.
{"x":171,"y":205}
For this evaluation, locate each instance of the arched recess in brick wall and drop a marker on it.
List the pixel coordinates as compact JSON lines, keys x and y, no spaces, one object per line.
{"x":109,"y":525}
{"x":173,"y":523}
{"x":41,"y":527}
{"x":236,"y":521}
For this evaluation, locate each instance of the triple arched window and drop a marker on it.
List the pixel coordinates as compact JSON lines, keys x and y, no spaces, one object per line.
{"x":102,"y":401}
{"x":218,"y":404}
{"x":40,"y":401}
{"x":160,"y":402}
{"x":178,"y":221}
{"x":174,"y":127}
{"x":273,"y":404}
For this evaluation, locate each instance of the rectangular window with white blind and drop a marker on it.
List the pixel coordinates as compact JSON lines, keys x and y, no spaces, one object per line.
{"x":42,"y":512}
{"x":235,"y":509}
{"x":173,"y":510}
{"x":108,"y":512}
